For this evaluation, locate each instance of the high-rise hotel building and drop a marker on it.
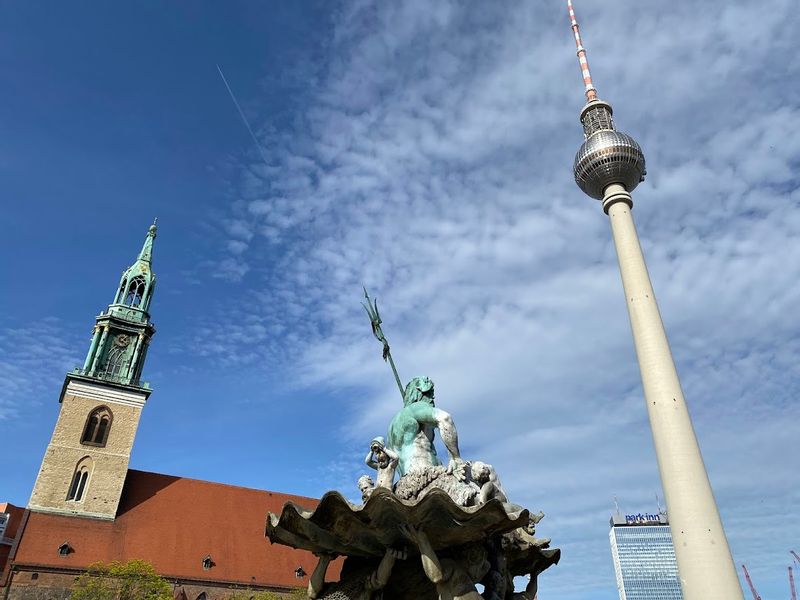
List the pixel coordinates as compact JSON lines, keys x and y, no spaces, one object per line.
{"x":644,"y":558}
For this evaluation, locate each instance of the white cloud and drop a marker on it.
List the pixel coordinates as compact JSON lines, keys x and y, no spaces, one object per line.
{"x":27,"y":355}
{"x":433,"y":164}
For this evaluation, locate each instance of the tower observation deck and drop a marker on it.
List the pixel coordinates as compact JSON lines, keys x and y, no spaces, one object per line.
{"x":608,"y":166}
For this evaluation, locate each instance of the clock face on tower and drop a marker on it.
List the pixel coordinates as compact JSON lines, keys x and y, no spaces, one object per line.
{"x":122,"y":340}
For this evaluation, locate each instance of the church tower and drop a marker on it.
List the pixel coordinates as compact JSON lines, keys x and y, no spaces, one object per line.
{"x":86,"y":462}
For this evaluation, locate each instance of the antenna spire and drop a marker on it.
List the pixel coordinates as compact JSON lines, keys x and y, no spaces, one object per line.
{"x":591,"y":91}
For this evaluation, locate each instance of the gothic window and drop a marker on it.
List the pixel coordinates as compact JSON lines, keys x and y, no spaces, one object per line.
{"x":135,"y":291}
{"x":98,"y":424}
{"x":146,"y":305}
{"x":115,"y":362}
{"x":80,"y":480}
{"x":122,"y":289}
{"x":202,"y":596}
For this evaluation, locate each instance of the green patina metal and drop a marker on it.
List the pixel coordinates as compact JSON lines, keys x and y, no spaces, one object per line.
{"x":418,"y":416}
{"x":418,"y":412}
{"x":375,"y":320}
{"x":122,"y":333}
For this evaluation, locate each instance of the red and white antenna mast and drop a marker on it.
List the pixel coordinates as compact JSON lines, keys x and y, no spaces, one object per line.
{"x":591,"y":91}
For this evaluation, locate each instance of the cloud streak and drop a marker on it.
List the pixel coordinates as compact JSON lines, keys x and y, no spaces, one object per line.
{"x":241,"y":114}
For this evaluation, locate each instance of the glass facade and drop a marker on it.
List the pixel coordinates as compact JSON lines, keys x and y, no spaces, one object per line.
{"x":644,"y":562}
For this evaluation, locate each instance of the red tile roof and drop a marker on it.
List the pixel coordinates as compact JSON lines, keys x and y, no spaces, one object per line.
{"x":173,"y":523}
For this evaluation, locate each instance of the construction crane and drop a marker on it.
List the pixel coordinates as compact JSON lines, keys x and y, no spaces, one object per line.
{"x":791,"y":584}
{"x":750,"y":583}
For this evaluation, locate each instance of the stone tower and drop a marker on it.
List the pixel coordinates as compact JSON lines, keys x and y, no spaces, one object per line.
{"x":86,"y":462}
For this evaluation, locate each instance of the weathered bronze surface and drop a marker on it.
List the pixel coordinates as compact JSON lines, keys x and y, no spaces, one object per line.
{"x":435,"y":532}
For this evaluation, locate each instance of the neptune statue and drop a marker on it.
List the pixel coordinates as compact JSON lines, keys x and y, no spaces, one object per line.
{"x":411,"y":435}
{"x":412,"y":430}
{"x":436,"y":531}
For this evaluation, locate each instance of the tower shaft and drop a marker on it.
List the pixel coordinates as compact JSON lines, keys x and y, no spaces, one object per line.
{"x":705,"y":565}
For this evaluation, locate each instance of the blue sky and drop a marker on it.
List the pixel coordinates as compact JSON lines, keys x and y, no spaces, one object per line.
{"x":425,"y":150}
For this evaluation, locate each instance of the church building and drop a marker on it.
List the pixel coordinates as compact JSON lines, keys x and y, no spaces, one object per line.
{"x":206,"y":538}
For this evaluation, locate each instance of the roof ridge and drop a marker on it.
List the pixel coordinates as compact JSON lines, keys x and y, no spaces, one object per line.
{"x":227,"y":485}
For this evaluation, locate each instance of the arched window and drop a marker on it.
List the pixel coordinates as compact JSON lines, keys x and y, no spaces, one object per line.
{"x":202,"y":596}
{"x":149,"y":298}
{"x":115,"y":361}
{"x":123,"y":286}
{"x":98,"y":424}
{"x":135,"y":291}
{"x":80,"y":480}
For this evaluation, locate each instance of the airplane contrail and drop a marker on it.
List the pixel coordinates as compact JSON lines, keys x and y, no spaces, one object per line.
{"x":244,"y":118}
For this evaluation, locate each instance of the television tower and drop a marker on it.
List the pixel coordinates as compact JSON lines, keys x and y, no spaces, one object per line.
{"x":608,"y":166}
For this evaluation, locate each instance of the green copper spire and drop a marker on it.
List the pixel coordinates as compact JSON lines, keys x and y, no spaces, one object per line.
{"x":138,"y":281}
{"x":146,"y":255}
{"x":122,"y":333}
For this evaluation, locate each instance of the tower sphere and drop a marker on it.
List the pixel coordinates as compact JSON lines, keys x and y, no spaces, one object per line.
{"x":608,"y":156}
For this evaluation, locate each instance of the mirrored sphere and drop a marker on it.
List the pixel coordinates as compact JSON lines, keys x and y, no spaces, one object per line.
{"x":608,"y":157}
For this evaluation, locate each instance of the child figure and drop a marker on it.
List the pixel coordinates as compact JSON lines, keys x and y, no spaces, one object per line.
{"x":485,"y":477}
{"x":384,"y":460}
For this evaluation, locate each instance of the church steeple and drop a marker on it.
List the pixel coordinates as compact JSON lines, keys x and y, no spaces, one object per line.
{"x":146,"y":255}
{"x":86,"y":463}
{"x":137,"y":282}
{"x":122,"y":333}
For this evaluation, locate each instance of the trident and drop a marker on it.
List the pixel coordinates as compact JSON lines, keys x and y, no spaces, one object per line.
{"x":375,"y":320}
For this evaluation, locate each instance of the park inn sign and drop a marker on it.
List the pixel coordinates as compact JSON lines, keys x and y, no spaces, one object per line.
{"x":643,"y":518}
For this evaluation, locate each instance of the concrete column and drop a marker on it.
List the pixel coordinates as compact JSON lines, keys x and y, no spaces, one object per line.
{"x":705,"y":564}
{"x":95,"y":338}
{"x":100,"y":349}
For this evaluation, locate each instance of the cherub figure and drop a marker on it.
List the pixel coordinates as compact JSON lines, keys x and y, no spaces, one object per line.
{"x":454,"y":578}
{"x":485,"y":477}
{"x":358,"y":583}
{"x":366,"y":485}
{"x":384,"y":460}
